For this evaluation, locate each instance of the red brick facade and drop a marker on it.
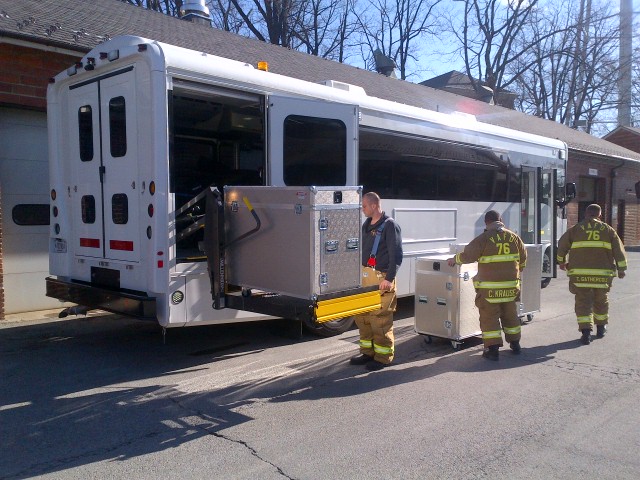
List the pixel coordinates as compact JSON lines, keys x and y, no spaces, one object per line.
{"x":611,"y":184}
{"x":25,"y":75}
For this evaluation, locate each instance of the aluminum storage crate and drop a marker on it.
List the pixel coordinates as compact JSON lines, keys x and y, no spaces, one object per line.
{"x":445,"y":299}
{"x":308,"y":243}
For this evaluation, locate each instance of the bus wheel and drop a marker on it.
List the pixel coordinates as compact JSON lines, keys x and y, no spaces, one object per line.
{"x":329,"y":329}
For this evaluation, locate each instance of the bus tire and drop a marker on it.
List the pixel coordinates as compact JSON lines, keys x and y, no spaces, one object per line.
{"x":329,"y":329}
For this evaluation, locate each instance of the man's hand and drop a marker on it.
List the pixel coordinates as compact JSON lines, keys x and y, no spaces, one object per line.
{"x":385,"y":285}
{"x":451,"y":262}
{"x":621,"y":273}
{"x":562,"y":266}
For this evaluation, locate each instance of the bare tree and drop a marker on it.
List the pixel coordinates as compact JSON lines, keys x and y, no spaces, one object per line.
{"x":325,"y":28}
{"x":168,"y":7}
{"x":224,"y":16}
{"x":395,"y":27}
{"x":272,"y":21}
{"x":488,"y":31}
{"x":569,"y":72}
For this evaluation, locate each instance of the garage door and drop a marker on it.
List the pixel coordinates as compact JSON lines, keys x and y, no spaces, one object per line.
{"x":24,"y":178}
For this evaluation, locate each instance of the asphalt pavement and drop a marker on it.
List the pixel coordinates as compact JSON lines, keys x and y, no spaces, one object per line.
{"x":109,"y":397}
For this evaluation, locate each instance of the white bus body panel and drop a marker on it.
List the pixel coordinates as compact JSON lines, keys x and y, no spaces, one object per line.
{"x":150,"y":266}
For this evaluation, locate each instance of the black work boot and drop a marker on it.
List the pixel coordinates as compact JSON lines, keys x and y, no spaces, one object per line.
{"x":515,"y":346}
{"x":600,"y":330}
{"x":360,"y":359}
{"x":491,"y":353}
{"x":586,"y":337}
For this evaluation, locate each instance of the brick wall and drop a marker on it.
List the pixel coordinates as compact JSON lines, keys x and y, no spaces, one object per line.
{"x":25,"y":75}
{"x":614,"y":184}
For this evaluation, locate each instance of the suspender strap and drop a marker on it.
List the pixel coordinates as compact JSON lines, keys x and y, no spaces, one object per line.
{"x":372,"y":258}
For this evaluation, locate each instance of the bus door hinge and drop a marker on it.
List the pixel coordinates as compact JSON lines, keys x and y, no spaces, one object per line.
{"x":102,"y":171}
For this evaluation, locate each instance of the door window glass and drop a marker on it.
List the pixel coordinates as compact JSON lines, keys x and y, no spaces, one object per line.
{"x":117,"y":127}
{"x":88,"y":204}
{"x":315,"y":151}
{"x":120,"y":208}
{"x":85,"y":132}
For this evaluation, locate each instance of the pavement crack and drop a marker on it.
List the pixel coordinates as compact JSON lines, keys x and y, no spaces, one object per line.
{"x":205,"y":427}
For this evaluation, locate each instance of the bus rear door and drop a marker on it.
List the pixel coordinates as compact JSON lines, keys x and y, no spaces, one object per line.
{"x":103,"y":148}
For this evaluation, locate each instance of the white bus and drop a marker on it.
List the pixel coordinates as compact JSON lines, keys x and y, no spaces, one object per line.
{"x":139,"y":128}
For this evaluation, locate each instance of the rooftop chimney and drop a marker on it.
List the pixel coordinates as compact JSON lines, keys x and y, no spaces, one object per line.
{"x":195,"y":11}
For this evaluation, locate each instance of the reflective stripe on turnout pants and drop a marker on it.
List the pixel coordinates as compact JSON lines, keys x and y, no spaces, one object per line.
{"x":496,"y":318}
{"x":591,"y":305}
{"x":376,"y":328}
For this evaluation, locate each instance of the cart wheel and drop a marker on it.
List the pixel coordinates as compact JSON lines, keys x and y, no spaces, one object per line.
{"x":529,"y":317}
{"x":428,"y":339}
{"x":455,"y":345}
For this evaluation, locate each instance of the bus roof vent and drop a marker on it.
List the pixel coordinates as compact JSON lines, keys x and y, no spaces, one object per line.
{"x":347,"y":87}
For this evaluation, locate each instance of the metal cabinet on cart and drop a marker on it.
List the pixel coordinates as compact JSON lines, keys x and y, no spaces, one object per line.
{"x":445,"y":296}
{"x":445,"y":299}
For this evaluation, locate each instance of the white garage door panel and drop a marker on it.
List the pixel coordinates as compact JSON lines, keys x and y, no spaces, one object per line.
{"x":20,"y":174}
{"x":25,"y":292}
{"x":20,"y":132}
{"x":24,"y":176}
{"x":26,"y":254}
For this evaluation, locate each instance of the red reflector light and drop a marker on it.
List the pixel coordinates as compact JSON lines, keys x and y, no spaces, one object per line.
{"x":90,"y":242}
{"x":121,"y":245}
{"x":160,"y":264}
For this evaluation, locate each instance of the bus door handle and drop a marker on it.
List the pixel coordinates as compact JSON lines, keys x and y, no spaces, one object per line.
{"x":102,"y":172}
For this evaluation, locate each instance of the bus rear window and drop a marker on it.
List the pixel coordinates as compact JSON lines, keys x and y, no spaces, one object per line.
{"x":85,"y":133}
{"x":315,"y":151}
{"x":117,"y":127}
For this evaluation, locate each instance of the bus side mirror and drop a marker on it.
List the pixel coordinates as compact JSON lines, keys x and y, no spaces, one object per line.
{"x":637,"y":185}
{"x":570,"y":191}
{"x":569,"y":194}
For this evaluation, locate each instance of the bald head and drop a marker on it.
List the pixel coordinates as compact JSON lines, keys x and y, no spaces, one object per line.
{"x":593,"y":211}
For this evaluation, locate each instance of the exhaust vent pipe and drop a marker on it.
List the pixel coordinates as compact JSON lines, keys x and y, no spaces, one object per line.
{"x":195,"y":11}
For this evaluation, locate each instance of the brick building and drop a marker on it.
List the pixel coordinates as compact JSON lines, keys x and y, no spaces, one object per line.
{"x":40,"y":38}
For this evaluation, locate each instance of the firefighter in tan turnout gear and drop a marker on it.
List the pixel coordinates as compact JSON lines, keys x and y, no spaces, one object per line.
{"x":501,"y":255}
{"x":591,"y":252}
{"x":381,"y":258}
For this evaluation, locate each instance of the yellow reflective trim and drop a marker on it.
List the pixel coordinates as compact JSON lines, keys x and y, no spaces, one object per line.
{"x":622,"y":264}
{"x":584,"y":319}
{"x":603,"y":316}
{"x":591,"y":285}
{"x":591,"y":244}
{"x":500,"y":300}
{"x":458,"y":261}
{"x":499,"y":258}
{"x":492,"y":334}
{"x":604,"y":272}
{"x":366,"y":343}
{"x":327,"y":310}
{"x":507,"y":284}
{"x":382,"y":350}
{"x":512,"y":329}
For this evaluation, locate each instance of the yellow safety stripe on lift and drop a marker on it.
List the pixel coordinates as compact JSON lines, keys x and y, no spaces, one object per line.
{"x":341,"y":307}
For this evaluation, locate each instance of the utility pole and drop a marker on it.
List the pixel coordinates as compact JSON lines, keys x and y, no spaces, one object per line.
{"x":624,"y":80}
